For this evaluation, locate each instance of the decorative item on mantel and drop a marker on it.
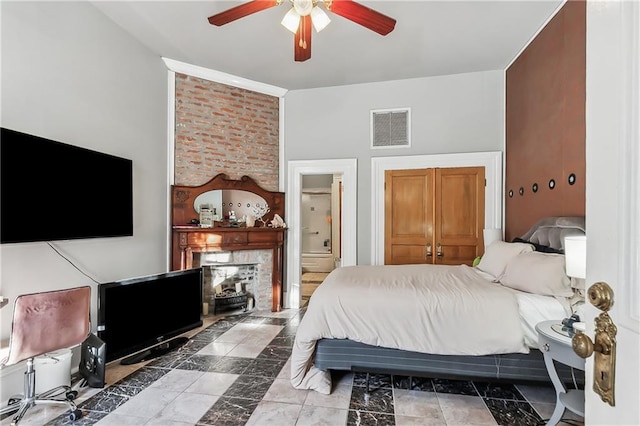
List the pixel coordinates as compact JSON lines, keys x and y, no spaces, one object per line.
{"x":277,"y":222}
{"x":206,"y":216}
{"x":259,"y":211}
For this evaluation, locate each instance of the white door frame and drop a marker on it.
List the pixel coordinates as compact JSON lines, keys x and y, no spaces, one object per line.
{"x":612,"y":195}
{"x":492,"y":162}
{"x":297,"y":169}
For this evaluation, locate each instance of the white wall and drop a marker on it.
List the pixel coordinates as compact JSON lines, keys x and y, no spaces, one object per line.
{"x":449,"y":114}
{"x":70,"y":74}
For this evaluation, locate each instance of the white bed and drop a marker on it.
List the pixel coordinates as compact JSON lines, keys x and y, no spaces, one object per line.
{"x":445,"y":311}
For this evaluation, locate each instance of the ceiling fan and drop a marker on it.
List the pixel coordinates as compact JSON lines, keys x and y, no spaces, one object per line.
{"x":304,"y":13}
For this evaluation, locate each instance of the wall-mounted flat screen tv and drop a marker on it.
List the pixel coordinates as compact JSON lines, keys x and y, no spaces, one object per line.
{"x":52,"y":191}
{"x":139,"y":318}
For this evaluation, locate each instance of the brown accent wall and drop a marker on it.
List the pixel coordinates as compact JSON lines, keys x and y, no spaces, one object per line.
{"x":545,"y":123}
{"x":224,"y":129}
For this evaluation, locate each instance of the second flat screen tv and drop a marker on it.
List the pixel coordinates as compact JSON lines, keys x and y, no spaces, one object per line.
{"x":139,"y":318}
{"x":52,"y":191}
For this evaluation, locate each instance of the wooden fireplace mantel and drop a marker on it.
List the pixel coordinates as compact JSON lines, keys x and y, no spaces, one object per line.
{"x":188,"y":239}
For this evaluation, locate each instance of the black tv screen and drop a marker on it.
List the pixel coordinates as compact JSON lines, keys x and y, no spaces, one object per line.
{"x":139,"y":313}
{"x":53,"y":191}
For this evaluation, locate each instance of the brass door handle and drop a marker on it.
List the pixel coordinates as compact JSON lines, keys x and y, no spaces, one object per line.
{"x":604,"y":343}
{"x":439,"y":250}
{"x":584,"y":347}
{"x":429,"y":254}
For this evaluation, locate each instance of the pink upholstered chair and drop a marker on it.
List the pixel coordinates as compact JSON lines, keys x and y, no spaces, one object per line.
{"x":43,"y":323}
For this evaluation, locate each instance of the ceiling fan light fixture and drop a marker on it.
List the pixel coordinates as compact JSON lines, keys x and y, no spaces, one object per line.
{"x":291,"y":20}
{"x":319,"y":18}
{"x":303,"y":14}
{"x":303,"y":7}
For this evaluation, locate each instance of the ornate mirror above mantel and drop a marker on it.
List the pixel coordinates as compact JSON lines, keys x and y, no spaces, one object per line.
{"x":245,"y":197}
{"x":244,"y":194}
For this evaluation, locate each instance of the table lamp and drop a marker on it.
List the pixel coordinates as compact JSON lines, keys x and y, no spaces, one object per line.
{"x":575,"y":255}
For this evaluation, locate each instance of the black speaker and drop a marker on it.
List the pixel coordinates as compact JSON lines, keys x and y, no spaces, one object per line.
{"x":92,"y":361}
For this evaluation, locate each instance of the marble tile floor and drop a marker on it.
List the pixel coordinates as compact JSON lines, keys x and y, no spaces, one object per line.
{"x":235,"y":371}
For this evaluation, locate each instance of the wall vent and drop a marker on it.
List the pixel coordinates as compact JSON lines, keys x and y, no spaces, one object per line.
{"x":390,"y":128}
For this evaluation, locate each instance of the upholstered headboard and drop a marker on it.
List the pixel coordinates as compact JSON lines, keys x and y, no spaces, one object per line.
{"x":551,"y":231}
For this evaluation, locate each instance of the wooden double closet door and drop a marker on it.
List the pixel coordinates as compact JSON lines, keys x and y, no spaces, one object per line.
{"x":434,"y":215}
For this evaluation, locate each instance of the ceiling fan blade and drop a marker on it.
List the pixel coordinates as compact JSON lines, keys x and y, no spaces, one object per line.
{"x":368,"y":18}
{"x":302,"y":40}
{"x":241,"y":11}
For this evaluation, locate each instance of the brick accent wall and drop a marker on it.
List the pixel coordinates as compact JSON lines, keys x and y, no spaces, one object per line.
{"x":224,"y":129}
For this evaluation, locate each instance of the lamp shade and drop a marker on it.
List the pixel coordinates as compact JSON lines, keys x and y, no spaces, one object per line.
{"x":575,"y":255}
{"x":491,"y":235}
{"x":319,"y":19}
{"x":303,"y":7}
{"x":291,"y":20}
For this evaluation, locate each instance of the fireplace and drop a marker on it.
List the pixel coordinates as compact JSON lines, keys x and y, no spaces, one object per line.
{"x":237,"y":279}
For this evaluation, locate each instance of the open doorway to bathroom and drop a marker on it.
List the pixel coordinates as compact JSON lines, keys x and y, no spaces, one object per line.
{"x":347,"y":240}
{"x":320,"y":213}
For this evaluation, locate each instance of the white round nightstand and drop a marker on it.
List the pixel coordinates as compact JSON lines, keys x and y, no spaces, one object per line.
{"x":555,"y":345}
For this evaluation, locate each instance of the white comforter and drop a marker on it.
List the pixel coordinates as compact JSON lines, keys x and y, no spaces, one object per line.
{"x":436,"y":309}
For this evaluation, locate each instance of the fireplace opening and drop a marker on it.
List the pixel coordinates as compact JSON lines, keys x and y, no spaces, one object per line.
{"x":229,"y":286}
{"x":252,"y":269}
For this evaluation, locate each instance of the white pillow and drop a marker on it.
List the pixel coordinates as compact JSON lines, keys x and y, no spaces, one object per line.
{"x":498,"y":254}
{"x":538,"y":273}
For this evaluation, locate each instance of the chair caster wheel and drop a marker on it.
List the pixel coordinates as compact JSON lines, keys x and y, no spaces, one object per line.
{"x":75,"y":415}
{"x":71,"y":395}
{"x":13,"y":400}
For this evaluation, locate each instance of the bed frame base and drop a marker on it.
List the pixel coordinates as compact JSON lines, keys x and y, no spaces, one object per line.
{"x":347,"y":355}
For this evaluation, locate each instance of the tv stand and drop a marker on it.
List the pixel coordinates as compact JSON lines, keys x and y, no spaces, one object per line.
{"x":155,"y":351}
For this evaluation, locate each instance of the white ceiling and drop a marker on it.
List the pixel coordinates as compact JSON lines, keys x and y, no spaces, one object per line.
{"x":430,"y":38}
